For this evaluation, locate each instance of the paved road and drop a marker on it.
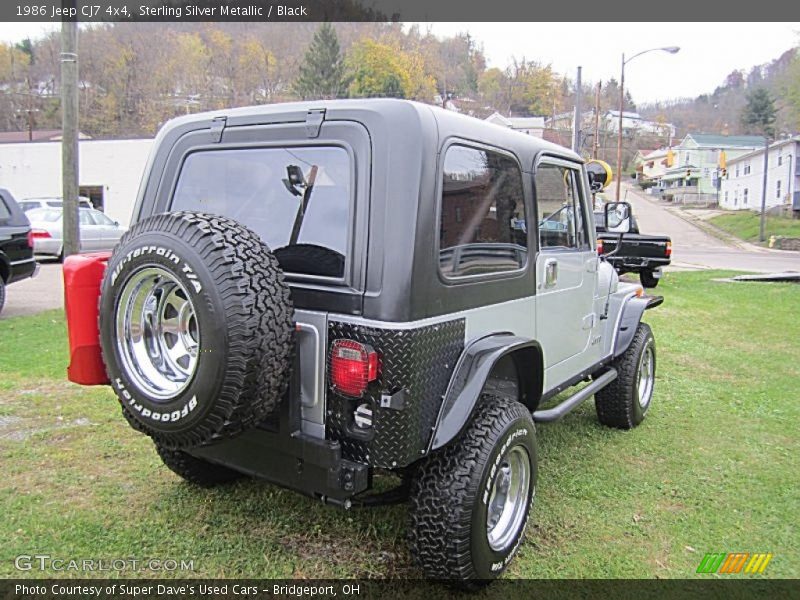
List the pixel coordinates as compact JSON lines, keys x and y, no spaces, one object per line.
{"x":693,"y":248}
{"x":43,"y":292}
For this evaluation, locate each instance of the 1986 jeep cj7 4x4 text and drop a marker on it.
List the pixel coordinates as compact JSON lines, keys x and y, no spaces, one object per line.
{"x":313,"y":292}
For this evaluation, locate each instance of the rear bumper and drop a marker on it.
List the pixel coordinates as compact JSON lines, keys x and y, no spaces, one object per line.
{"x":49,"y":247}
{"x":23,"y":269}
{"x":634,"y":264}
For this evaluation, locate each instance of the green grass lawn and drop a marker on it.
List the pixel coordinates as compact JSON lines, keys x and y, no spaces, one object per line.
{"x":714,"y":467}
{"x":745,"y":225}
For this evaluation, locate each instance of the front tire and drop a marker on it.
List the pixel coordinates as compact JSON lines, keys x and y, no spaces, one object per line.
{"x":625,"y":401}
{"x":2,"y":294}
{"x":470,"y":500}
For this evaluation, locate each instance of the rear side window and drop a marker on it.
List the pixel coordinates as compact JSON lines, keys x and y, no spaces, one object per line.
{"x":297,"y":199}
{"x":5,"y":213}
{"x":483,"y":225}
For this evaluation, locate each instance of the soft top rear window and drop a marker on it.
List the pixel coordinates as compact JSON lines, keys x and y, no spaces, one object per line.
{"x":297,"y":199}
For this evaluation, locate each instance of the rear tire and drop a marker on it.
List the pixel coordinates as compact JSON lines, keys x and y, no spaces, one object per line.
{"x":648,"y":279}
{"x":471,"y":499}
{"x":2,"y":294}
{"x":625,"y":401}
{"x":196,"y":470}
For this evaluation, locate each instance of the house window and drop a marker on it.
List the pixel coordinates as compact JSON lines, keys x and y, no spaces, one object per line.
{"x":778,"y":190}
{"x":726,"y":197}
{"x":747,"y":169}
{"x":686,"y":158}
{"x":780,"y":159}
{"x":744,"y":200}
{"x":94,"y":193}
{"x":737,"y":170}
{"x":736,"y":197}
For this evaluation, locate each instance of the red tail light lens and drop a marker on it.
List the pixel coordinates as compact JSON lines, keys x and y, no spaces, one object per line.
{"x":599,"y":246}
{"x":668,"y":251}
{"x":353,"y":365}
{"x":38,"y":234}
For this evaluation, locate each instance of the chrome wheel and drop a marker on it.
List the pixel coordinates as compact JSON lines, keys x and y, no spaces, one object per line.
{"x":647,"y":365}
{"x":157,"y":334}
{"x":508,"y":502}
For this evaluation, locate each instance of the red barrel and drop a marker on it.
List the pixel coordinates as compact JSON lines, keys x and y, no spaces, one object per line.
{"x":83,"y":274}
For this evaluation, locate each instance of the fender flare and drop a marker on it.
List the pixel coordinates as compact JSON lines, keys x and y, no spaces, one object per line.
{"x":469,"y":378}
{"x":632,"y":312}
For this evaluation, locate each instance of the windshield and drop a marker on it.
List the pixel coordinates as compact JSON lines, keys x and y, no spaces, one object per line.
{"x":296,"y":199}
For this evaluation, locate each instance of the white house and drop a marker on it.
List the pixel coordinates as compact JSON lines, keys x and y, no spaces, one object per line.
{"x":110,"y":172}
{"x":652,"y":165}
{"x":529,"y":125}
{"x":633,"y":122}
{"x":742,"y":185}
{"x":696,"y":163}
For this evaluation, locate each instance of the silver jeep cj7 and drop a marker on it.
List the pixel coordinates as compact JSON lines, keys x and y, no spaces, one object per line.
{"x":312,"y":293}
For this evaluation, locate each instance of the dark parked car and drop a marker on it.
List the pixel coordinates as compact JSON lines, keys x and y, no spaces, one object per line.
{"x":646,"y":255}
{"x":16,"y":246}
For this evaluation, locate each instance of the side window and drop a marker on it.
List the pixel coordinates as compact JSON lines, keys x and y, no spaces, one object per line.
{"x":4,"y":212}
{"x":483,"y":226}
{"x":85,"y":218}
{"x":560,"y":208}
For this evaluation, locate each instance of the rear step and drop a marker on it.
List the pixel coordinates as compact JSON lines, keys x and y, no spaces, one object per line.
{"x":571,"y":403}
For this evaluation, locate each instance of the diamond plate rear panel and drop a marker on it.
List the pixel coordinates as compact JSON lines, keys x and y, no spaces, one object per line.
{"x":419,"y":361}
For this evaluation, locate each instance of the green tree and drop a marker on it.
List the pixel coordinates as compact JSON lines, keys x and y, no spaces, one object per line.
{"x":385,"y":70}
{"x":759,"y":113}
{"x":790,"y":90}
{"x":322,"y":74}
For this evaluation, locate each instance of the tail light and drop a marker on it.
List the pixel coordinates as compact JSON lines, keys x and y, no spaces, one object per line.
{"x":668,"y":251}
{"x":599,"y":246}
{"x":353,"y":365}
{"x":38,"y":234}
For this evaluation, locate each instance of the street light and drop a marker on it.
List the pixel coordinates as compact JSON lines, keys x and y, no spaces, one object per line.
{"x":671,"y":50}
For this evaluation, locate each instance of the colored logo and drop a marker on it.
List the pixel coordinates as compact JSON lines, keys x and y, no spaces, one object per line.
{"x":734,"y":562}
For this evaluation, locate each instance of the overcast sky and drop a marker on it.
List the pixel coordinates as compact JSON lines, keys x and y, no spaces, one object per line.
{"x":709,"y":51}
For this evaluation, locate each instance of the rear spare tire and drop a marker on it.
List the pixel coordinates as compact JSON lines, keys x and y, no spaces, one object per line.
{"x":196,"y":328}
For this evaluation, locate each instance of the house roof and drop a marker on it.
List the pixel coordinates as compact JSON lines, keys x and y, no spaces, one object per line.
{"x":760,"y":151}
{"x":625,"y":113}
{"x":40,"y":135}
{"x":526,"y":122}
{"x":516,"y":122}
{"x":712,"y":140}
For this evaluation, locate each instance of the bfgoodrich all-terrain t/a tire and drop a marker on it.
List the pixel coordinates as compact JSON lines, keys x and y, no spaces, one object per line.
{"x":625,"y":401}
{"x":470,"y":500}
{"x":196,"y":328}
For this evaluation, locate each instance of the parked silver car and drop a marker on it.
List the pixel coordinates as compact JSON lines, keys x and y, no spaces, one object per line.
{"x":50,"y":202}
{"x":98,"y":232}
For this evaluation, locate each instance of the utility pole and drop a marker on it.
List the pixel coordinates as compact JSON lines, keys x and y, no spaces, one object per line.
{"x":763,"y":223}
{"x":69,"y":136}
{"x":576,"y":127}
{"x":596,"y":145}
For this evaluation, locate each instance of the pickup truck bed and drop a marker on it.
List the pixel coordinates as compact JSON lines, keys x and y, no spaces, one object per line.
{"x":640,"y":253}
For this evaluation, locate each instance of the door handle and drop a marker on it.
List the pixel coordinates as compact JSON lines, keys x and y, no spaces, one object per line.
{"x":550,"y":273}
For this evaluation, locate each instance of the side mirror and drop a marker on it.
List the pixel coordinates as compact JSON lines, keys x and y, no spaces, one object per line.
{"x":618,"y":217}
